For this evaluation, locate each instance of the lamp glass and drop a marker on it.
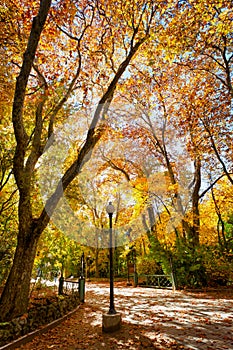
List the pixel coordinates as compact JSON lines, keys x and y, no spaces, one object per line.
{"x":110,"y":208}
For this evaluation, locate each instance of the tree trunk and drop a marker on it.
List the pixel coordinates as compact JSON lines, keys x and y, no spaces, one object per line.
{"x":97,"y":273}
{"x":15,"y":296}
{"x":195,"y":204}
{"x":222,"y":241}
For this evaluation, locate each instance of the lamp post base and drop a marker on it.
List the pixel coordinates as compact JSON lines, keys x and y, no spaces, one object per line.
{"x":111,"y":322}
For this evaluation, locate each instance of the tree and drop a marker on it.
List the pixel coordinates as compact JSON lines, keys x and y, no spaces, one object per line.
{"x":31,"y":125}
{"x":206,"y":67}
{"x":155,"y":112}
{"x":57,"y":253}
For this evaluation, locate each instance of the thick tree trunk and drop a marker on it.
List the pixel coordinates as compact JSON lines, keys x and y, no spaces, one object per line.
{"x":15,"y":296}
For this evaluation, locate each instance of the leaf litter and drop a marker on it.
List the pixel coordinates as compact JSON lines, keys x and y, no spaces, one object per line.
{"x":151,"y":319}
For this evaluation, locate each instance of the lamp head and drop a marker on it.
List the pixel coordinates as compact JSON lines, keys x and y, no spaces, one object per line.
{"x":110,"y":208}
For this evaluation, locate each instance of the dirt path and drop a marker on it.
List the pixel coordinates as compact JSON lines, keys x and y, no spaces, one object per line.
{"x":152,"y":319}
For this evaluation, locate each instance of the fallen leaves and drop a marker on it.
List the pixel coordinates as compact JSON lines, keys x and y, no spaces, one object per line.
{"x":164,"y":321}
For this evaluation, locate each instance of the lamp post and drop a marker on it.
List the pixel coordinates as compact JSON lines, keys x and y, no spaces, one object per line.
{"x":81,"y":285}
{"x":112,"y":320}
{"x":110,"y":210}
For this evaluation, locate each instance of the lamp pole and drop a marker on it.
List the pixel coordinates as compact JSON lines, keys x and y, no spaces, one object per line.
{"x":110,"y":210}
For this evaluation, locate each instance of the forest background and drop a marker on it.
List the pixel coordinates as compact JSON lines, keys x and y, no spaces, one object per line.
{"x":129,"y":101}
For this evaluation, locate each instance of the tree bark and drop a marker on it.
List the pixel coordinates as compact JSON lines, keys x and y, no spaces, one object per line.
{"x":15,"y":296}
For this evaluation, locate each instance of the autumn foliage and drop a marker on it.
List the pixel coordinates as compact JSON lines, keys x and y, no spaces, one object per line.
{"x":144,"y":89}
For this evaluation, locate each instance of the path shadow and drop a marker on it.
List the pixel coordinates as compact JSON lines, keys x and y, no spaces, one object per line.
{"x":168,"y":333}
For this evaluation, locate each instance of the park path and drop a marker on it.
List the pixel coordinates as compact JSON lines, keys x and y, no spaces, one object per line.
{"x":152,"y":319}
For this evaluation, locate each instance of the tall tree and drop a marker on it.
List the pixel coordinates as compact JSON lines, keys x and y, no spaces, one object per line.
{"x":207,"y":73}
{"x":113,"y":47}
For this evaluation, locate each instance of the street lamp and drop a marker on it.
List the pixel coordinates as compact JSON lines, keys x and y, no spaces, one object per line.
{"x":110,"y":210}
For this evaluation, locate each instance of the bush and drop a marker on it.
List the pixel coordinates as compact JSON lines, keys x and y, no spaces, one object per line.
{"x":148,"y":266}
{"x":189,"y":267}
{"x":219,"y":266}
{"x":202,"y":266}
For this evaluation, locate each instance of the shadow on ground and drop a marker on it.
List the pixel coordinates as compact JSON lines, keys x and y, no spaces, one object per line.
{"x":152,"y":319}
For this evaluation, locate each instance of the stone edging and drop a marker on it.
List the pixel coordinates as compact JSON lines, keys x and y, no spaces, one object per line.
{"x":28,"y":337}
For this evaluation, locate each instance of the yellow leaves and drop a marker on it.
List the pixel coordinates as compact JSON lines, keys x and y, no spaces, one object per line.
{"x":173,"y":188}
{"x":140,"y":184}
